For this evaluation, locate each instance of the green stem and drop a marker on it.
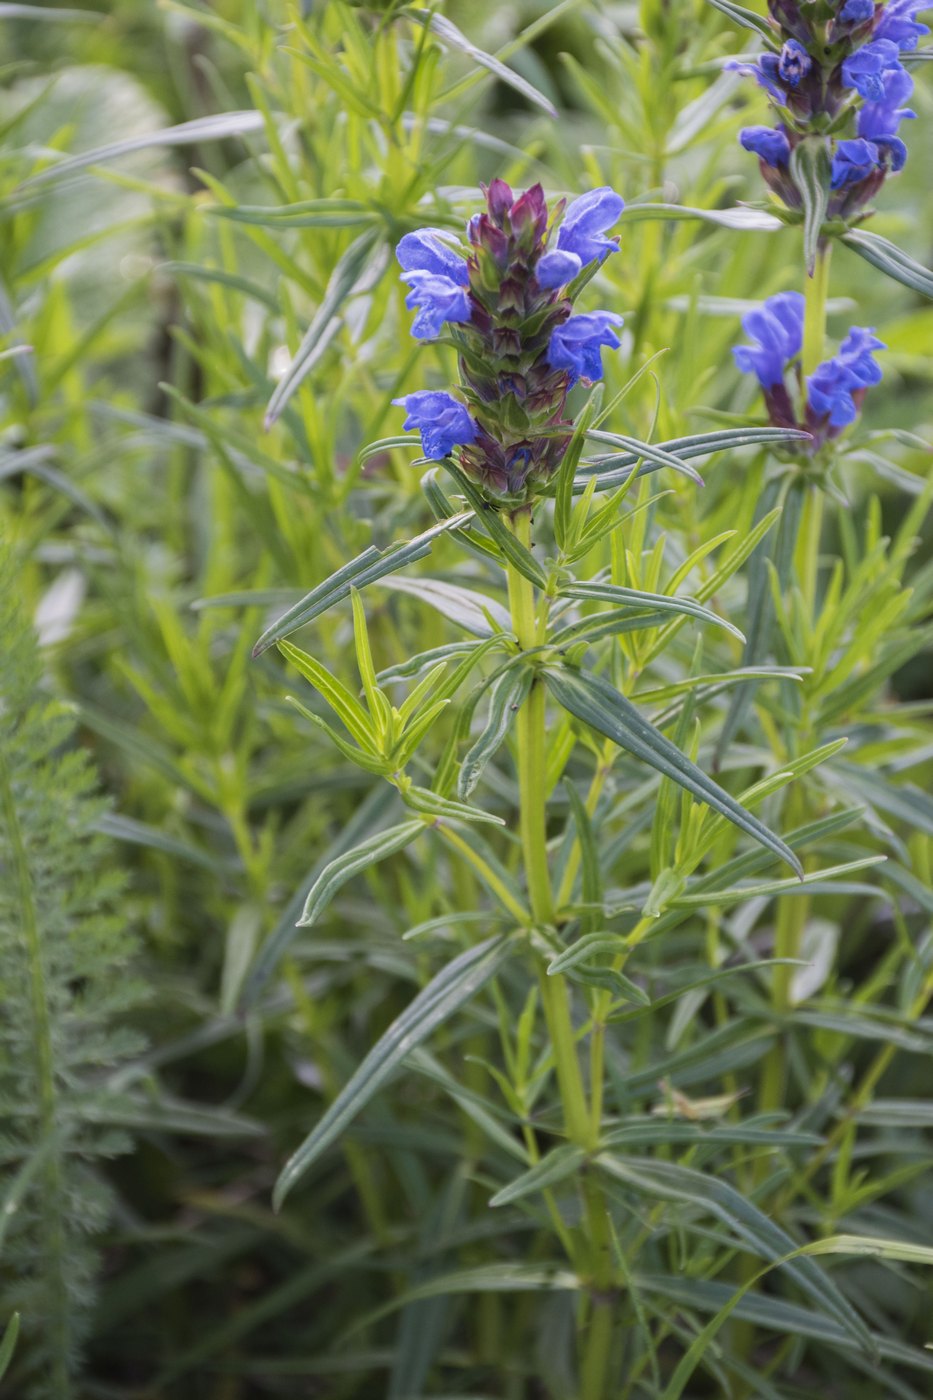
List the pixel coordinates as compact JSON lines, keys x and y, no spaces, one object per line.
{"x":581,"y":1128}
{"x":816,"y":293}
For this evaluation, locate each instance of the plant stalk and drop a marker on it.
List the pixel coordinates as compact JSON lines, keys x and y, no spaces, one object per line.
{"x":595,"y":1326}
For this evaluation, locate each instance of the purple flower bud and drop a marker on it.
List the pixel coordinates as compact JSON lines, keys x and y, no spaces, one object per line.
{"x":585,"y":222}
{"x":442,"y":420}
{"x":834,"y":385}
{"x":865,"y":69}
{"x":438,"y":299}
{"x":424,"y":252}
{"x":499,"y":198}
{"x":857,"y":11}
{"x":854,"y":161}
{"x":770,"y":144}
{"x":897,"y":23}
{"x":557,"y":269}
{"x":794,"y":63}
{"x":576,"y":345}
{"x":777,"y":326}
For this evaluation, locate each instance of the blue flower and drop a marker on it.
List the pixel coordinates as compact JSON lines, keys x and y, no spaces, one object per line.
{"x":766,"y":72}
{"x":897,"y":23}
{"x":576,"y":345}
{"x":854,"y":161}
{"x":442,"y":420}
{"x":832,"y":385}
{"x":581,"y":237}
{"x":770,"y":143}
{"x":424,"y":252}
{"x":794,"y":63}
{"x":865,"y":69}
{"x":878,"y":121}
{"x":857,"y":11}
{"x":777,"y":326}
{"x":437,"y":299}
{"x":557,"y":269}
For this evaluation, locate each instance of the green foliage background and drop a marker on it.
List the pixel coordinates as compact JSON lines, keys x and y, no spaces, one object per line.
{"x":154,"y":529}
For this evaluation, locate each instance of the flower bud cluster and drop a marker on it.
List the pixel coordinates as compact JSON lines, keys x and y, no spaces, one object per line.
{"x":830,"y":398}
{"x":508,"y":301}
{"x":835,"y":71}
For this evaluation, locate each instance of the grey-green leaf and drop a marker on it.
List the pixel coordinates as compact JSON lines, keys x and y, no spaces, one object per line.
{"x":621,"y":464}
{"x":890,"y":259}
{"x":372,"y":564}
{"x":598,"y":704}
{"x":352,"y":268}
{"x":747,"y":18}
{"x":668,"y":1181}
{"x":506,"y":697}
{"x":811,"y":173}
{"x":350,"y":863}
{"x":456,"y":984}
{"x":450,"y":35}
{"x":191,"y":133}
{"x":658,"y":602}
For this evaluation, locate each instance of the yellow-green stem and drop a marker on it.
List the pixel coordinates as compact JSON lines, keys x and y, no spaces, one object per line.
{"x":816,"y":293}
{"x":531,"y":750}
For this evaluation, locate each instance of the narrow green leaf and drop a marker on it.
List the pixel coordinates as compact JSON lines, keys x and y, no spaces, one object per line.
{"x":353,"y":268}
{"x":745,"y":219}
{"x":747,"y":18}
{"x":11,"y":1332}
{"x":506,"y":697}
{"x":433,"y":804}
{"x":368,"y":815}
{"x":366,"y":568}
{"x":456,"y":984}
{"x":311,"y":213}
{"x":340,"y":699}
{"x":890,"y":259}
{"x":658,"y":602}
{"x":465,"y":607}
{"x":810,"y":170}
{"x":219,"y":128}
{"x":594,"y":701}
{"x":350,"y":863}
{"x":559,"y":1163}
{"x":576,"y":960}
{"x":450,"y":35}
{"x":621,"y":465}
{"x":667,"y":1181}
{"x":488,"y":517}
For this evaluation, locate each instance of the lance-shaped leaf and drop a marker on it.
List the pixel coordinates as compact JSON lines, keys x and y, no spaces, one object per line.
{"x":372,"y":564}
{"x":658,"y":602}
{"x":506,"y":697}
{"x":560,"y":1163}
{"x":516,"y":553}
{"x":667,"y":1181}
{"x":351,"y":270}
{"x":454,"y":38}
{"x":615,"y":468}
{"x":890,"y":259}
{"x":191,"y":133}
{"x":369,"y":814}
{"x":810,"y":169}
{"x":350,"y":863}
{"x":594,"y":701}
{"x":450,"y":989}
{"x":751,"y":219}
{"x":747,"y":18}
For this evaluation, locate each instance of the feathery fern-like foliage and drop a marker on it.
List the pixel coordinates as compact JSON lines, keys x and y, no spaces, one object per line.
{"x":64,"y":954}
